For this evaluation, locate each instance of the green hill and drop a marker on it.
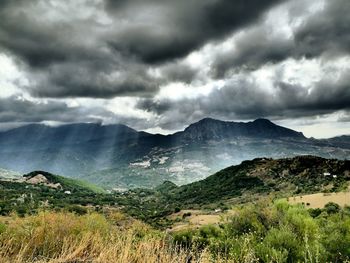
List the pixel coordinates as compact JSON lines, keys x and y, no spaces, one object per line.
{"x":302,"y":174}
{"x":166,"y":187}
{"x":242,"y":183}
{"x":66,"y":183}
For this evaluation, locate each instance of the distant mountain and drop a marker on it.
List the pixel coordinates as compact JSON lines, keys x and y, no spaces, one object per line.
{"x":41,"y":136}
{"x":120,"y":157}
{"x":211,"y":129}
{"x":340,"y":141}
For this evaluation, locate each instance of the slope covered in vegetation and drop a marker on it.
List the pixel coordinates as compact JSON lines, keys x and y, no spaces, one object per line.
{"x":237,"y":184}
{"x":302,"y":174}
{"x":67,"y":183}
{"x":262,"y":233}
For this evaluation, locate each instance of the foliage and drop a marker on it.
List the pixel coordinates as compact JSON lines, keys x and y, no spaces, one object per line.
{"x":66,"y":237}
{"x":277,"y":233}
{"x":68,"y":183}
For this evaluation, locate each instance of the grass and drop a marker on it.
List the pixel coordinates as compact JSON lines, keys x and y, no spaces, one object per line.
{"x":82,"y":184}
{"x":186,"y":219}
{"x":69,"y":182}
{"x":319,"y":200}
{"x":260,"y":232}
{"x":65,"y":237}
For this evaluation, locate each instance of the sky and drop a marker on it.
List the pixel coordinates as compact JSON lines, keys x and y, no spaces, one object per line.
{"x":160,"y":65}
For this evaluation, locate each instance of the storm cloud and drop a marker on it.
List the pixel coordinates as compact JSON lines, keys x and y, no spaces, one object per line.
{"x":14,"y":109}
{"x":180,"y":26}
{"x":155,"y":64}
{"x":325,"y":34}
{"x":243,"y":98}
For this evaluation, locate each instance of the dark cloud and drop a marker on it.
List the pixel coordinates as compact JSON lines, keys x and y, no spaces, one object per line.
{"x":179,"y":72}
{"x":17,"y":110}
{"x":68,"y":58}
{"x":253,"y":49}
{"x":325,"y":34}
{"x":24,"y":34}
{"x":73,"y":80}
{"x":181,"y":26}
{"x":244,"y":99}
{"x":109,"y":48}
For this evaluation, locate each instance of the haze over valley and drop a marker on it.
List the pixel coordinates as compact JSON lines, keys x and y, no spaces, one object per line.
{"x":116,"y":156}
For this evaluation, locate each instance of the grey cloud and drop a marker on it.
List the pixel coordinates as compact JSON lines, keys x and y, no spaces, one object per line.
{"x":345,"y":118}
{"x":255,"y":48}
{"x":324,"y":34}
{"x":74,"y":80}
{"x":141,"y":48}
{"x":69,"y":59}
{"x":181,"y":26}
{"x":40,"y":44}
{"x":244,"y":99}
{"x":178,"y":72}
{"x":17,"y":110}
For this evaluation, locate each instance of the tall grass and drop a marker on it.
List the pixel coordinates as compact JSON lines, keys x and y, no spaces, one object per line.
{"x":65,"y":237}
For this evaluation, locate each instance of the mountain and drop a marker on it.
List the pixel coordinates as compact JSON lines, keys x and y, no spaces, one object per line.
{"x":211,"y":129}
{"x":340,"y":141}
{"x":69,"y":149}
{"x":120,"y":157}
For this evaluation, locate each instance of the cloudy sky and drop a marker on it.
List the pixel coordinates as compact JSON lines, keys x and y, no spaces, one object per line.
{"x":159,"y":65}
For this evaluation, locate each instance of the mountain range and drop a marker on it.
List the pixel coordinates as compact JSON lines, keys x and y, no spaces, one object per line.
{"x":120,"y":157}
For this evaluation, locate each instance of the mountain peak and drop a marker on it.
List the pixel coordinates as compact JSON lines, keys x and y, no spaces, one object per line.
{"x":211,"y":129}
{"x":262,"y":120}
{"x":207,"y":121}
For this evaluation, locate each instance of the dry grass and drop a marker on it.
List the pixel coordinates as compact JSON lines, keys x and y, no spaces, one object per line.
{"x":65,"y":237}
{"x":319,"y":200}
{"x":198,"y":218}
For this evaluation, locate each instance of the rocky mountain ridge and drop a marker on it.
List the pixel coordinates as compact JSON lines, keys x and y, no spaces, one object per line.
{"x":120,"y":157}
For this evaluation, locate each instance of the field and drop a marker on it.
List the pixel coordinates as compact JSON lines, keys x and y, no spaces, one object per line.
{"x":194,"y":219}
{"x":319,"y":200}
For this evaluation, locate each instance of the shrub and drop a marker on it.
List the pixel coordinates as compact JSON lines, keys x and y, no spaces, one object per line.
{"x":332,"y":208}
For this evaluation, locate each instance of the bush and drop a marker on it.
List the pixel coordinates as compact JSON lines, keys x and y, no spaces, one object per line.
{"x":67,"y":237}
{"x":79,"y":210}
{"x":332,"y":208}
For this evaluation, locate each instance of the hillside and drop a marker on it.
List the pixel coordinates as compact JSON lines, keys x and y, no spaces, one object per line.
{"x":246,"y":182}
{"x":116,"y":156}
{"x":302,"y":174}
{"x":60,"y":182}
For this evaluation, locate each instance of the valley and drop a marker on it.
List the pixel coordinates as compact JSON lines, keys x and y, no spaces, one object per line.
{"x":250,"y":181}
{"x":202,"y":195}
{"x":118,"y":157}
{"x":252,"y":210}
